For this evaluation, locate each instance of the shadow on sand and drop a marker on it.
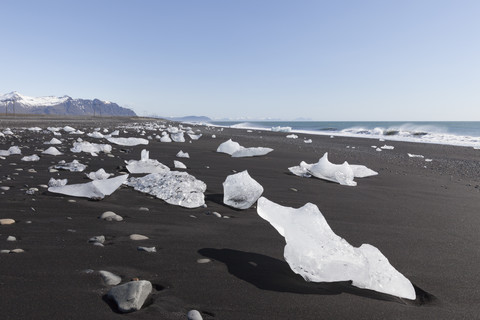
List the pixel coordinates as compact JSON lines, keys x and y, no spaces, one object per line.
{"x":271,"y":274}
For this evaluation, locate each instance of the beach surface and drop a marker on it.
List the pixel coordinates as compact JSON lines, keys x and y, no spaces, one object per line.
{"x":422,"y":215}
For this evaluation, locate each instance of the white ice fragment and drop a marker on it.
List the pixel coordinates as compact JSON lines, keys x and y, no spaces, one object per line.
{"x":52,"y":151}
{"x":100,"y":174}
{"x":229,"y":147}
{"x":386,"y":147}
{"x":324,"y":169}
{"x":415,"y":155}
{"x":165,"y":137}
{"x":57,"y":182}
{"x":316,"y":253}
{"x":110,"y":216}
{"x":96,"y":135}
{"x":128,"y":141}
{"x":53,"y":141}
{"x":68,"y":129}
{"x":92,"y":148}
{"x":145,"y":164}
{"x":178,"y":136}
{"x":292,"y":136}
{"x":241,"y":191}
{"x":195,"y":136}
{"x":14,"y":150}
{"x":308,"y":141}
{"x":428,"y":160}
{"x":73,"y":166}
{"x":378,"y":149}
{"x":182,"y":154}
{"x":33,"y":157}
{"x":97,"y":189}
{"x":173,"y":187}
{"x":251,"y":152}
{"x":179,"y":165}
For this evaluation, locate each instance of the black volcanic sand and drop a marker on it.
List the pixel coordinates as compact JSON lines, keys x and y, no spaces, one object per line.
{"x":423,"y":216}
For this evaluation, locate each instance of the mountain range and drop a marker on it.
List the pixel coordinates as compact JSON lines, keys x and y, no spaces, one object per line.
{"x":16,"y":103}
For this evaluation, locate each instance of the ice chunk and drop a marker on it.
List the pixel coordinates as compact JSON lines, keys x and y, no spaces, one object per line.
{"x":182,"y":154}
{"x":52,"y":151}
{"x":96,"y":135}
{"x":251,"y":152}
{"x":316,"y":253}
{"x":14,"y":150}
{"x":73,"y":166}
{"x":178,"y":136}
{"x":165,"y":137}
{"x":385,"y":147}
{"x":324,"y":169}
{"x":292,"y":136}
{"x":68,"y":129}
{"x":53,"y":141}
{"x":229,"y":147}
{"x":92,"y":148}
{"x":33,"y":157}
{"x":415,"y":155}
{"x":128,"y":141}
{"x":57,"y":182}
{"x":173,"y":187}
{"x":241,"y":191}
{"x":145,"y":165}
{"x":308,"y":141}
{"x":195,"y":136}
{"x":97,"y":189}
{"x":179,"y":165}
{"x":236,"y":150}
{"x":100,"y":174}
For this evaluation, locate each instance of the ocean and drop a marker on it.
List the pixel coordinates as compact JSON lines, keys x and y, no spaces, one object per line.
{"x":460,"y":133}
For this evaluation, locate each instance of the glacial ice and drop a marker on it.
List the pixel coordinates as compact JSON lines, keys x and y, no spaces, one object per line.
{"x":33,"y":157}
{"x":53,"y":141}
{"x":10,"y":151}
{"x":179,"y":165}
{"x":292,"y":136}
{"x":92,"y":148}
{"x":178,"y":136}
{"x":96,"y":189}
{"x":316,"y":253}
{"x":241,"y":191}
{"x":73,"y":166}
{"x":145,"y":164}
{"x":96,"y":135}
{"x":68,"y":129}
{"x":415,"y":155}
{"x":57,"y":182}
{"x":236,"y":150}
{"x":100,"y":174}
{"x":173,"y":187}
{"x":52,"y":151}
{"x":324,"y":169}
{"x":281,"y":129}
{"x":195,"y":136}
{"x":182,"y":154}
{"x":165,"y":137}
{"x":130,"y":142}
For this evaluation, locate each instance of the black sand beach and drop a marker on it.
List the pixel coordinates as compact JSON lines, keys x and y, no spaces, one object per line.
{"x":423,"y":216}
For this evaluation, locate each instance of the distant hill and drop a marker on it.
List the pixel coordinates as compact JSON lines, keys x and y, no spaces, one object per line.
{"x":15,"y":102}
{"x":189,"y":119}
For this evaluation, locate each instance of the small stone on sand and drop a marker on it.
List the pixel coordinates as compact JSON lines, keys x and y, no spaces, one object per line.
{"x":138,"y":237}
{"x":130,"y":296}
{"x":11,"y":238}
{"x":194,"y":315}
{"x":147,"y":249}
{"x":6,"y":221}
{"x":109,"y":278}
{"x":203,"y":260}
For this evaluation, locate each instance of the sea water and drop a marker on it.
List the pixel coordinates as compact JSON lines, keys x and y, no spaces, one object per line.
{"x":460,"y":133}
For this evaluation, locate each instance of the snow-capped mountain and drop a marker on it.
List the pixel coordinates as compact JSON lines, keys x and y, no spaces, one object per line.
{"x":17,"y":103}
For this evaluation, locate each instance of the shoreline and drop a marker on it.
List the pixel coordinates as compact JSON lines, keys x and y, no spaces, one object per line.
{"x":422,"y":216}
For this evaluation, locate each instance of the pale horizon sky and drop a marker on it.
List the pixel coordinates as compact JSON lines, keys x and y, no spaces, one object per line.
{"x":323,"y":60}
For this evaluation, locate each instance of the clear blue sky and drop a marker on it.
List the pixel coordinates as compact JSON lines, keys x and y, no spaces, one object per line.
{"x":324,"y":60}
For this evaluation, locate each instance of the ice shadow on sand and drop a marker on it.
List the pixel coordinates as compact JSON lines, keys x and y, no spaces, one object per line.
{"x":271,"y":274}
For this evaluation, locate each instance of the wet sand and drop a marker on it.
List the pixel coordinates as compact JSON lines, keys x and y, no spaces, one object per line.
{"x":423,"y":216}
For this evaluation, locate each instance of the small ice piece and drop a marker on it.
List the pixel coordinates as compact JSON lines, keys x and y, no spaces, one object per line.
{"x":378,"y":149}
{"x":415,"y":155}
{"x":33,"y":157}
{"x":182,"y":154}
{"x":57,"y":182}
{"x":14,"y":150}
{"x":68,"y":129}
{"x":178,"y":136}
{"x":428,"y":160}
{"x":179,"y":165}
{"x":214,"y":136}
{"x":128,"y":141}
{"x":100,"y":174}
{"x":96,"y":135}
{"x":229,"y":147}
{"x":147,"y":249}
{"x":316,"y":253}
{"x":52,"y":151}
{"x":92,"y":148}
{"x":97,"y":189}
{"x":308,"y":141}
{"x":301,"y":170}
{"x":145,"y":164}
{"x":281,"y":129}
{"x":195,"y":136}
{"x":73,"y":166}
{"x":386,"y":147}
{"x":173,"y":187}
{"x":110,"y":216}
{"x":165,"y":137}
{"x":292,"y":136}
{"x":53,"y":141}
{"x":241,"y":191}
{"x":251,"y":152}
